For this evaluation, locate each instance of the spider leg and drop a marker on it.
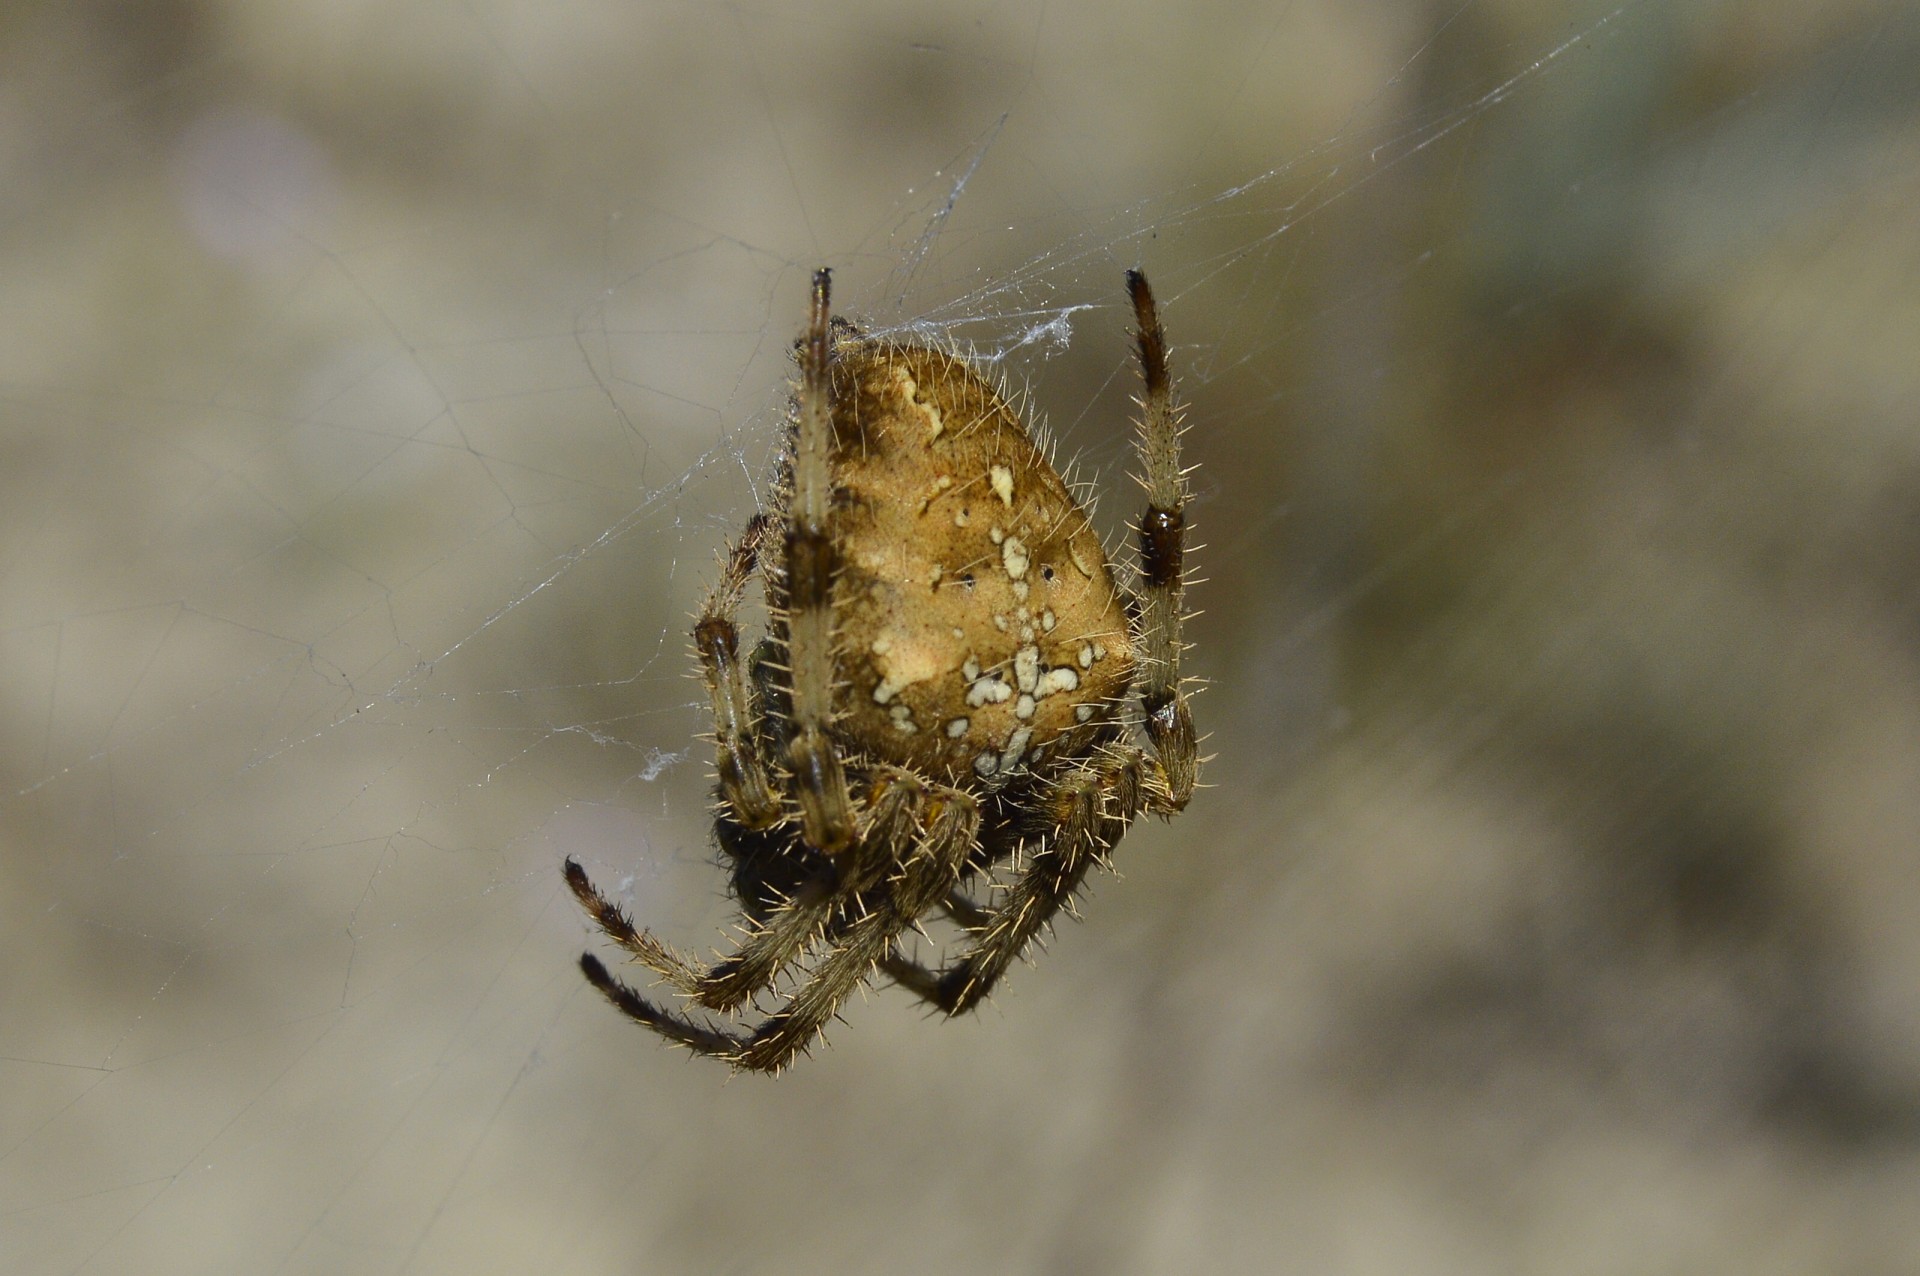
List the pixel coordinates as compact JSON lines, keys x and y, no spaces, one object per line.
{"x":918,"y":884}
{"x":925,"y":856}
{"x":613,"y":920}
{"x":785,"y":932}
{"x":819,"y":780}
{"x":1163,"y":537}
{"x":701,"y":1038}
{"x":773,"y":945}
{"x":1086,"y":813}
{"x":744,"y":783}
{"x":894,"y":812}
{"x":697,"y":1037}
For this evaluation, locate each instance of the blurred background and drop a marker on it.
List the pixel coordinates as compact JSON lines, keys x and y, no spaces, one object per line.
{"x":380,"y":380}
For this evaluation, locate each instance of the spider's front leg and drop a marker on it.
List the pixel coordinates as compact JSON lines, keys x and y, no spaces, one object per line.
{"x":819,"y":779}
{"x":1163,"y":538}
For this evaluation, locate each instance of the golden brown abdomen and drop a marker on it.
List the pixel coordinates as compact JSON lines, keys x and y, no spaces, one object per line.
{"x":977,"y":617}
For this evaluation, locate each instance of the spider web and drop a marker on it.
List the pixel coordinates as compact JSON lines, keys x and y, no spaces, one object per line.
{"x":383,"y":380}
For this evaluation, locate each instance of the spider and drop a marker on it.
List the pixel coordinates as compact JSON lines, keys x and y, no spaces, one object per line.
{"x":945,"y":703}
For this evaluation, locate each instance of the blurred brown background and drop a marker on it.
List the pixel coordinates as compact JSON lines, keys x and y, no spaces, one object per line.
{"x":381,"y":378}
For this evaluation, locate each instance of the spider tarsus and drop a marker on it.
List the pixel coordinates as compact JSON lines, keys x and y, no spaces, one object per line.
{"x":605,"y":913}
{"x":1152,"y":340}
{"x":692,"y":1035}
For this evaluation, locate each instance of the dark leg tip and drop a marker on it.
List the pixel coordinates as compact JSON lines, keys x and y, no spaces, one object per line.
{"x":955,"y":990}
{"x":581,"y":887}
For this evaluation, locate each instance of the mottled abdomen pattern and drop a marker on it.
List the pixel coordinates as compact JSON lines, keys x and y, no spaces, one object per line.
{"x":978,"y":621}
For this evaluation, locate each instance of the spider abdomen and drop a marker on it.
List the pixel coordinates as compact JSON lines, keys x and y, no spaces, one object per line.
{"x":979,"y":627}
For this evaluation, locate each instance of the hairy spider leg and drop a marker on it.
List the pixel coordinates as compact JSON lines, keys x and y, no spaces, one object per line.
{"x":923,"y":877}
{"x":925,"y":872}
{"x":617,"y":926}
{"x":1085,"y":814}
{"x":819,"y":780}
{"x":1163,"y":538}
{"x":744,"y":782}
{"x":783,"y":936}
{"x":893,"y":810}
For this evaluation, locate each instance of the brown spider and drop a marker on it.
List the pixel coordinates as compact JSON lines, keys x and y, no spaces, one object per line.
{"x":946,"y":690}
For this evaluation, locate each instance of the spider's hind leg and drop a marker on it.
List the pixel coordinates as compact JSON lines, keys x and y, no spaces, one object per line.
{"x":917,"y":883}
{"x":697,"y":1037}
{"x":790,"y":912}
{"x":912,"y":851}
{"x":1085,"y":814}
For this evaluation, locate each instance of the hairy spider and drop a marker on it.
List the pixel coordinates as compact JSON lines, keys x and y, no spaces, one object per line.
{"x":946,"y":694}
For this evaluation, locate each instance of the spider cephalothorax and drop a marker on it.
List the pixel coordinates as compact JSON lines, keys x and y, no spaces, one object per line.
{"x":947,"y":695}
